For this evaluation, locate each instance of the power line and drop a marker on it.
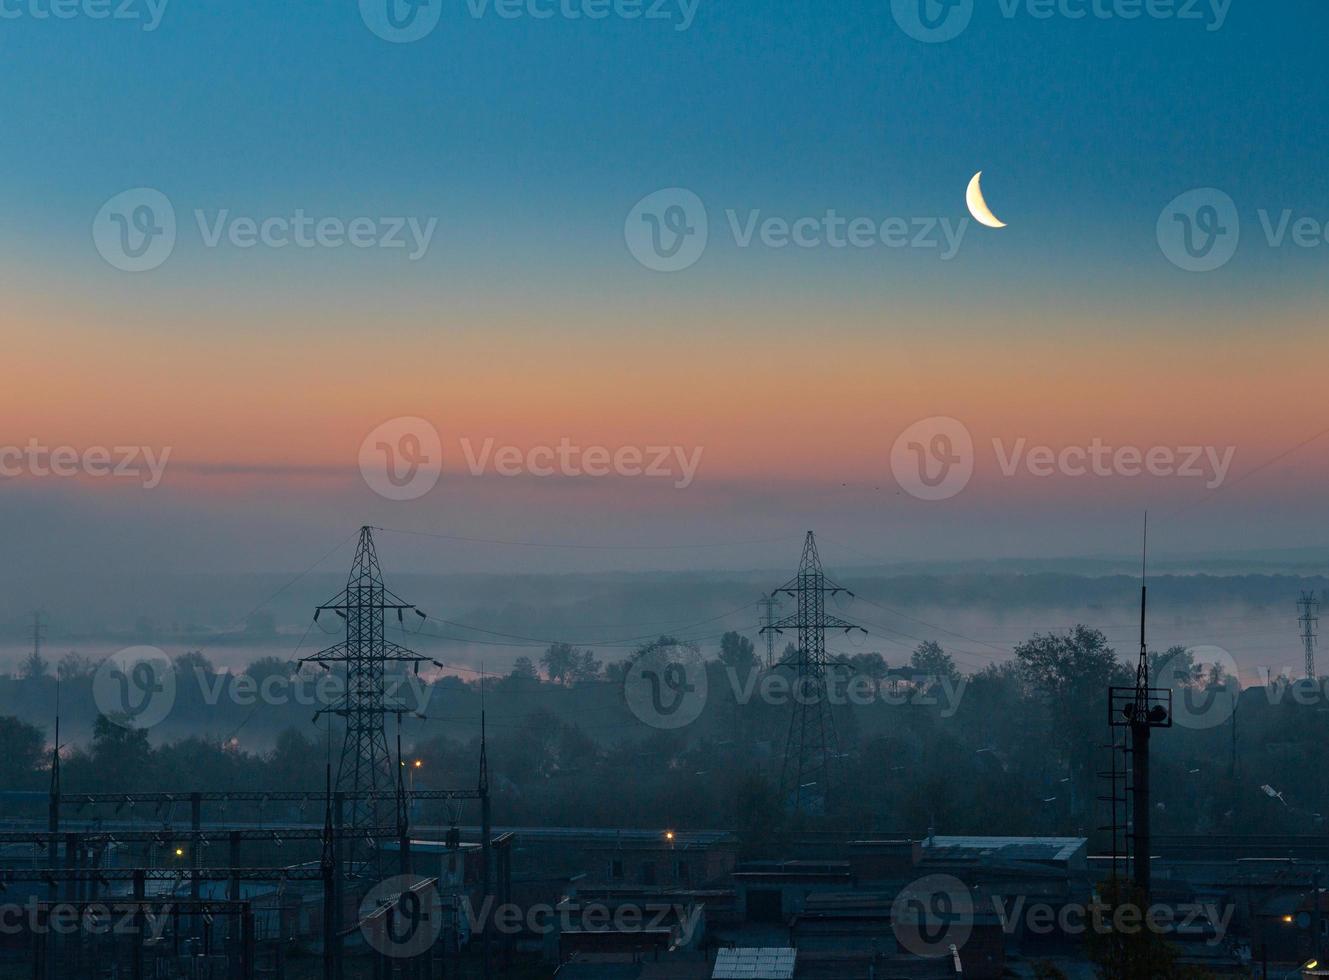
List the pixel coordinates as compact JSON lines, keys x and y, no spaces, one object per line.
{"x":587,"y":547}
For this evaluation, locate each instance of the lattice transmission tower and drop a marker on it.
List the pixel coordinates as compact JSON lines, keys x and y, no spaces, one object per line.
{"x":808,"y":775}
{"x":1309,"y":606}
{"x":366,"y":771}
{"x":769,"y":604}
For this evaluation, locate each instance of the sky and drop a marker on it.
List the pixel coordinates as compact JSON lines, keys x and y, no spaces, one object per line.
{"x":523,"y":161}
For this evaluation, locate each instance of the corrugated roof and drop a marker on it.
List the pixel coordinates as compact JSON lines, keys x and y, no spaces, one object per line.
{"x":1027,"y":848}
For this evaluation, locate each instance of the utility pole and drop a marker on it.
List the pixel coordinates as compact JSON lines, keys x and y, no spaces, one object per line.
{"x":1309,"y":607}
{"x":1315,"y":915}
{"x":486,"y":843}
{"x":365,"y":773}
{"x":769,"y":603}
{"x":807,"y":778}
{"x":328,"y":867}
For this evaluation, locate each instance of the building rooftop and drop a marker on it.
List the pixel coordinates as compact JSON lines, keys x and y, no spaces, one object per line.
{"x":1055,"y":849}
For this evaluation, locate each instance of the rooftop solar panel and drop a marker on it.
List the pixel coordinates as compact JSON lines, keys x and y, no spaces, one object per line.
{"x":757,"y":963}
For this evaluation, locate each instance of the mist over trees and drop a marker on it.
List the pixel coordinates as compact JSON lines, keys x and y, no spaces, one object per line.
{"x":1011,"y":748}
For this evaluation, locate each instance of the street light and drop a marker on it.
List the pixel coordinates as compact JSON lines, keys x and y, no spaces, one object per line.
{"x":1308,"y":965}
{"x":416,"y":764}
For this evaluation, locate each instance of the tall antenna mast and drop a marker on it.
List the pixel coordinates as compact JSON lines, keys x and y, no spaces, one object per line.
{"x":1142,"y":668}
{"x":1147,"y":712}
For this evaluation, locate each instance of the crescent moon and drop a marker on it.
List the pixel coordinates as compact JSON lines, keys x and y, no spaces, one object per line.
{"x":979,"y":207}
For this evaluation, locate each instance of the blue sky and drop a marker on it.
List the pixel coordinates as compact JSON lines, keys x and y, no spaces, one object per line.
{"x":529,"y":133}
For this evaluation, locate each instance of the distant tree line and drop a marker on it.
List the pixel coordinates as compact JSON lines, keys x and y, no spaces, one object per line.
{"x":1013,"y":747}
